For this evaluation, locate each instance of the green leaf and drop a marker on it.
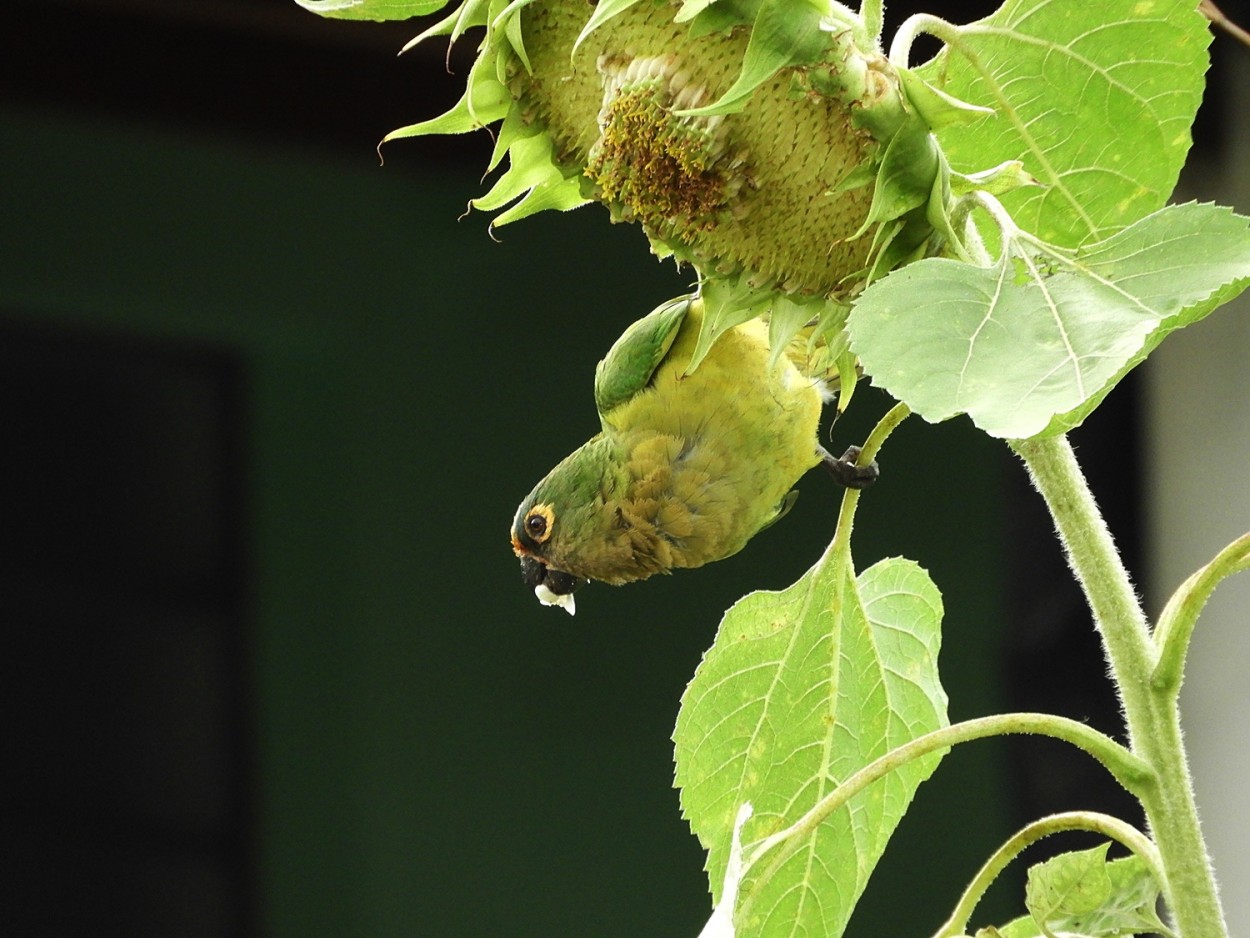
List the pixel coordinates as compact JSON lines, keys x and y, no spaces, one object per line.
{"x":800,"y":689}
{"x":732,"y":301}
{"x":785,"y":33}
{"x":512,"y":129}
{"x":510,"y":21}
{"x":997,"y":180}
{"x":1064,"y":422}
{"x":717,"y":16}
{"x":690,"y":9}
{"x":1023,"y":927}
{"x":1095,"y":98}
{"x":1045,"y":333}
{"x":1080,"y":893}
{"x":550,"y":196}
{"x":1069,"y":886}
{"x":905,"y":181}
{"x":469,"y":14}
{"x":377,"y":10}
{"x":1132,"y":907}
{"x":1176,"y":622}
{"x":721,"y":924}
{"x":787,"y":316}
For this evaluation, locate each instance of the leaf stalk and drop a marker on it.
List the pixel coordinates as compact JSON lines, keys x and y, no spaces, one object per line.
{"x":1176,"y":622}
{"x":1030,"y":834}
{"x":868,"y":452}
{"x":913,"y":26}
{"x":1127,"y":769}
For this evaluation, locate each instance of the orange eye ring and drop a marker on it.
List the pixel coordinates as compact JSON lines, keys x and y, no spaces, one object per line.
{"x":539,"y":522}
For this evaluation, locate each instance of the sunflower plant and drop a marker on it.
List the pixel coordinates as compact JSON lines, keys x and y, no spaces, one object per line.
{"x":985,"y":233}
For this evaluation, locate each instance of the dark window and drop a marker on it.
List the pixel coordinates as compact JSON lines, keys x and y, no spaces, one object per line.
{"x":124,"y":755}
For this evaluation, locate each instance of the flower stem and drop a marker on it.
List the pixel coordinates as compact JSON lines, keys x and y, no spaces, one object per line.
{"x":1151,"y":715}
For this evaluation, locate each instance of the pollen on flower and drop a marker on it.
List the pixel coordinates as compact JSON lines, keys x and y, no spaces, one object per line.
{"x":757,"y":190}
{"x":667,"y":172}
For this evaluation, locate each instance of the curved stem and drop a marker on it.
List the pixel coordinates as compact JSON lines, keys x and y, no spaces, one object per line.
{"x":1002,"y":218}
{"x":1152,"y":717}
{"x":913,"y":26}
{"x":1126,"y":768}
{"x":1176,"y":622}
{"x":973,"y":247}
{"x":868,"y":452}
{"x":1105,"y":824}
{"x":881,"y":432}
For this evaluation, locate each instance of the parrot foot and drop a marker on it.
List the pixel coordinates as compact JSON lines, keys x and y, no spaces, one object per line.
{"x":844,"y":468}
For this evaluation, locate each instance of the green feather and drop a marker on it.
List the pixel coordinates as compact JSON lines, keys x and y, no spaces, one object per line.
{"x":690,"y":465}
{"x":633,"y":359}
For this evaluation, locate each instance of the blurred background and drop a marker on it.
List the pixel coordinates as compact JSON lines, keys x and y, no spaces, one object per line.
{"x":266,"y":409}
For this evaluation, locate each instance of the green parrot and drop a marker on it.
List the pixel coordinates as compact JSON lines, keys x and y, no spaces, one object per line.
{"x":687,"y":467}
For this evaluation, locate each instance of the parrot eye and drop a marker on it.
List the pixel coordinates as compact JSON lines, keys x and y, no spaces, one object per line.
{"x":538,"y":523}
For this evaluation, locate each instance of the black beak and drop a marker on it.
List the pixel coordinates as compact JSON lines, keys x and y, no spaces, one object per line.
{"x":557,"y":581}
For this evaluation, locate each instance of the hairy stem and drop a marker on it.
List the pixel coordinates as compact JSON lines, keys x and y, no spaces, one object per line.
{"x":1152,"y":716}
{"x":1094,"y":821}
{"x":913,"y":26}
{"x":1176,"y":622}
{"x":872,"y":13}
{"x":868,"y":452}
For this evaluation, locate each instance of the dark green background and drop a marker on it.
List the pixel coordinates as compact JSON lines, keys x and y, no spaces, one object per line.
{"x":418,"y":747}
{"x":435,"y":754}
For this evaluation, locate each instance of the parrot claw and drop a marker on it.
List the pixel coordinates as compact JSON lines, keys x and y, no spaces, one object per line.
{"x":845,"y":468}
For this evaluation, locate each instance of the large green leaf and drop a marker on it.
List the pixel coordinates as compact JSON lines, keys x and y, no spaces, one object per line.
{"x":800,"y":689}
{"x":372,"y":9}
{"x":1029,"y":344}
{"x":1095,"y":98}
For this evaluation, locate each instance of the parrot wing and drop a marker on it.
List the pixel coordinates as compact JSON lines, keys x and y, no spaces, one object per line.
{"x":634,"y":357}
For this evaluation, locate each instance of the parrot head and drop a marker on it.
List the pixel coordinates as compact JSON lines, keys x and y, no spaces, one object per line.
{"x":573,"y":527}
{"x":561,"y":527}
{"x":540,"y":542}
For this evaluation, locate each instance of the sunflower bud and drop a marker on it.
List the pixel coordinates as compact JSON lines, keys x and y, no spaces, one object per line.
{"x":746,"y":139}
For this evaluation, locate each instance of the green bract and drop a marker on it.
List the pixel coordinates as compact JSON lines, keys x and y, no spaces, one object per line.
{"x":767,"y":142}
{"x":1096,"y":99}
{"x":771,"y":144}
{"x":371,"y":9}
